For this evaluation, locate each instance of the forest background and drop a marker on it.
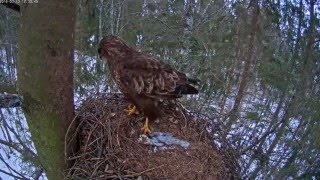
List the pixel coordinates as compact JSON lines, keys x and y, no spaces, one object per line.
{"x":258,"y":62}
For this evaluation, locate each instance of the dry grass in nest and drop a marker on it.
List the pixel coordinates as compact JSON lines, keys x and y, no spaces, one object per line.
{"x":109,"y":146}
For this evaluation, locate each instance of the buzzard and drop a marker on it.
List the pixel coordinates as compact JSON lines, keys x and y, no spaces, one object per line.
{"x":142,"y":79}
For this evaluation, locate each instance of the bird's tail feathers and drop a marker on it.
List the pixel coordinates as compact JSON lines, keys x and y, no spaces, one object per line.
{"x":190,"y":90}
{"x":193,"y":81}
{"x":185,"y":89}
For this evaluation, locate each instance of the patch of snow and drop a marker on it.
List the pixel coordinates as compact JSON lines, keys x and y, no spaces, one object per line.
{"x":163,"y":141}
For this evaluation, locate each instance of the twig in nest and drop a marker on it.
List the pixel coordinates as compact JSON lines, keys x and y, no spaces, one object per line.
{"x":98,"y":164}
{"x":182,"y":113}
{"x":88,"y":138}
{"x":66,"y":142}
{"x":135,"y":174}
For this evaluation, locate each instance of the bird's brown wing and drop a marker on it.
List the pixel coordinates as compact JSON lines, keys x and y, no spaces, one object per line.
{"x":146,"y":76}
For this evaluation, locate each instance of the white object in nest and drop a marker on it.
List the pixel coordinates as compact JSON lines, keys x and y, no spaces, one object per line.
{"x":163,"y":141}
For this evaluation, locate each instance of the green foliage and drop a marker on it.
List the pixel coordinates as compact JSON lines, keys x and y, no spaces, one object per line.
{"x":130,"y":35}
{"x":284,"y":56}
{"x":253,"y":116}
{"x":276,"y":74}
{"x":8,"y":25}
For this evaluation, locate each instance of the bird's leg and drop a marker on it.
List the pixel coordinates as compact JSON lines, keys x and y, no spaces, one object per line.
{"x":132,"y":109}
{"x":145,"y":129}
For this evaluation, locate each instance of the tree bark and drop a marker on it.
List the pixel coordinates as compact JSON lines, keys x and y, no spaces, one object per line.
{"x":187,"y":33}
{"x":45,"y":78}
{"x":247,"y":64}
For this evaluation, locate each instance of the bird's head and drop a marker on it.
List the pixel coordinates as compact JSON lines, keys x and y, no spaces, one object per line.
{"x":113,"y":48}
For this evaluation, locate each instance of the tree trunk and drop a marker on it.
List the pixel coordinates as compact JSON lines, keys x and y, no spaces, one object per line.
{"x":187,"y":33}
{"x":246,"y":71}
{"x":100,"y":6}
{"x":45,"y":78}
{"x":309,"y":62}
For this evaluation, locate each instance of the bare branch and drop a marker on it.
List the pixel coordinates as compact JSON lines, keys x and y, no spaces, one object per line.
{"x":10,"y":174}
{"x":25,"y":148}
{"x":10,"y":168}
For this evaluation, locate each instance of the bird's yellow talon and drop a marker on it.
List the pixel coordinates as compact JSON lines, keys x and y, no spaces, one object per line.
{"x":145,"y":129}
{"x":131,"y":110}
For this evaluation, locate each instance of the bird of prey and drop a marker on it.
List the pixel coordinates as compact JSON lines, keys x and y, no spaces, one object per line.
{"x":143,"y":79}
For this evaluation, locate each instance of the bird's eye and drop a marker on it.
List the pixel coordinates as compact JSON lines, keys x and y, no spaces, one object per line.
{"x":99,"y":50}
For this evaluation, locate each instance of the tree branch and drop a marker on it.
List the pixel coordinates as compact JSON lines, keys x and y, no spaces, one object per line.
{"x":10,"y":174}
{"x":10,"y":168}
{"x":25,"y":147}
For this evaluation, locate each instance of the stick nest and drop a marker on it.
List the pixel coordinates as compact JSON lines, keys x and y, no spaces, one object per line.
{"x":110,"y":149}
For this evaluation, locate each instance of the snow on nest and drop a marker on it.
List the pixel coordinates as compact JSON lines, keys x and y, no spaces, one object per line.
{"x":163,"y":141}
